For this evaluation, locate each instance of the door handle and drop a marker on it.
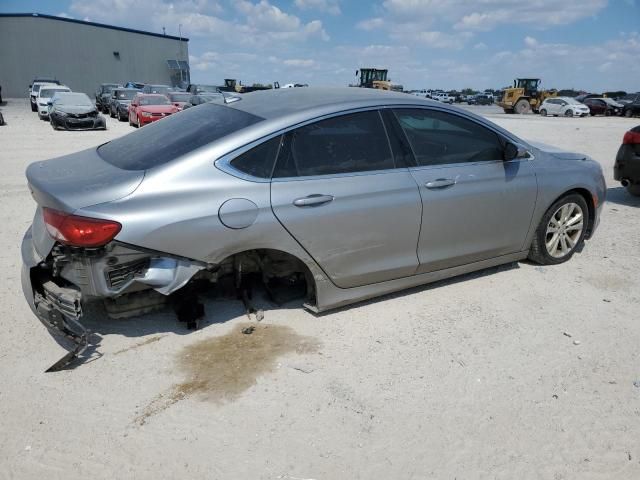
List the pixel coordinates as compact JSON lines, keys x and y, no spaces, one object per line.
{"x":313,"y":200}
{"x":440,"y":183}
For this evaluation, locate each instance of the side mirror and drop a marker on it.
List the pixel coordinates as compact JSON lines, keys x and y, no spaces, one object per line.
{"x":513,"y":151}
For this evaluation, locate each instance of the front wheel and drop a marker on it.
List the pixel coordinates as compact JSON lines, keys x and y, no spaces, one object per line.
{"x":568,"y":113}
{"x":561,"y":231}
{"x":628,"y":114}
{"x":543,"y":112}
{"x":522,"y":107}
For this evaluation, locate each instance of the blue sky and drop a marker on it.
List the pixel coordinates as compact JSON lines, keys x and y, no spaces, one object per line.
{"x":583,"y":44}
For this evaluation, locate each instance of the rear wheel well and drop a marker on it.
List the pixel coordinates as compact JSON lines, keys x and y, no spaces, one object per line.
{"x":274,"y":268}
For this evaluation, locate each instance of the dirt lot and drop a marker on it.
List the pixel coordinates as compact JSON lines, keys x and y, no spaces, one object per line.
{"x":518,"y":372}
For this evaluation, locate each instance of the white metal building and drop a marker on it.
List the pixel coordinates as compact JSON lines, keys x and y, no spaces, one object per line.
{"x":83,"y":55}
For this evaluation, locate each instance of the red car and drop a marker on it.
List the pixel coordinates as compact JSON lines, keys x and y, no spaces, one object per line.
{"x":147,"y":108}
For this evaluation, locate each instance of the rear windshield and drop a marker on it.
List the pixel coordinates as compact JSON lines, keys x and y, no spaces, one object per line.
{"x":163,"y":141}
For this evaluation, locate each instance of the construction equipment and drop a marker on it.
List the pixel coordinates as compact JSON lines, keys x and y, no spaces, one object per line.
{"x":524,"y":96}
{"x":231,"y":85}
{"x":373,"y":78}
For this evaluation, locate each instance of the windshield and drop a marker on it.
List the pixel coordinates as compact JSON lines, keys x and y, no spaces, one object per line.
{"x":179,"y":97}
{"x":73,"y":99}
{"x":49,"y":92}
{"x":572,"y":101}
{"x":126,"y":95}
{"x":175,"y":136}
{"x":155,"y":100}
{"x":109,"y":88}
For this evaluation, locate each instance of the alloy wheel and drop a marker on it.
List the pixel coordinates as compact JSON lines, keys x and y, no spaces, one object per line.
{"x":564,"y":230}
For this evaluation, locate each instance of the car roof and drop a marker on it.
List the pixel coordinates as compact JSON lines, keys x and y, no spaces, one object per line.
{"x":275,"y":103}
{"x":62,"y":88}
{"x":149,"y":95}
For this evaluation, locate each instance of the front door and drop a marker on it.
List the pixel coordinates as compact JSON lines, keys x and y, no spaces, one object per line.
{"x":337,"y":190}
{"x":475,"y":205}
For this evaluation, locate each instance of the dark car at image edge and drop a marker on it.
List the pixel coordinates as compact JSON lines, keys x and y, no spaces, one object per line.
{"x":626,"y":169}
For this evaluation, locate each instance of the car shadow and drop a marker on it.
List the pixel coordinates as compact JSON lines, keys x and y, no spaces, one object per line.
{"x":620,"y":196}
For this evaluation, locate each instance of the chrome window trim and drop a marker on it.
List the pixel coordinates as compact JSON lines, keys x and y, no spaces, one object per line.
{"x":223,"y":163}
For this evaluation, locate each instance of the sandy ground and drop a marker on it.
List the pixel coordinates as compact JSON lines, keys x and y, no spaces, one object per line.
{"x":471,"y":378}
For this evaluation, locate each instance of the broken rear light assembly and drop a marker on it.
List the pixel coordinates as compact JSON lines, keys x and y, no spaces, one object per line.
{"x":77,"y":231}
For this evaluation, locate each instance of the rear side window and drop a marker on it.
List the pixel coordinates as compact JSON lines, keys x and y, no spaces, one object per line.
{"x":439,"y":138}
{"x":346,"y":144}
{"x":171,"y":137}
{"x":258,"y":162}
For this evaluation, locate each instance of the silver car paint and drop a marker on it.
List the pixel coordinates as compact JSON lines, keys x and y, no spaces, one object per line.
{"x":158,"y":206}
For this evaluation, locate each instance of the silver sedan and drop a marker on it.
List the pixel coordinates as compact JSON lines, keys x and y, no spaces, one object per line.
{"x":335,"y":195}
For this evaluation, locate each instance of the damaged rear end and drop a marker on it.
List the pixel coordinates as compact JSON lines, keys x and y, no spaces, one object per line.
{"x":70,"y":259}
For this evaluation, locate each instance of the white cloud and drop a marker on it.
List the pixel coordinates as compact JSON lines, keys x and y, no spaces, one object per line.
{"x":433,"y":39}
{"x":298,"y":62}
{"x":329,"y":6}
{"x":480,"y":46}
{"x":530,"y":42}
{"x":370,"y":24}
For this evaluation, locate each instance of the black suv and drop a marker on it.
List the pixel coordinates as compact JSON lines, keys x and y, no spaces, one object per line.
{"x":627,"y":167}
{"x":103,"y":96}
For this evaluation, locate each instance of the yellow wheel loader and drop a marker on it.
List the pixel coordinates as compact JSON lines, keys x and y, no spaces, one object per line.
{"x":524,"y":96}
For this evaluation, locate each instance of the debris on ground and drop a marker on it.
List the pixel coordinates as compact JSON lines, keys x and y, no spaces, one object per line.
{"x":576,"y":342}
{"x":566,"y":334}
{"x":248,"y":330}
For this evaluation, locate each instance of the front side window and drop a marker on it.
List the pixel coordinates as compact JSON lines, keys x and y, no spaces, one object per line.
{"x":439,"y":138}
{"x":350,"y":143}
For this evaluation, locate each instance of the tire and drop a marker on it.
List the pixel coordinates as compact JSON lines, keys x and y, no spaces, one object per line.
{"x":130,"y":122}
{"x":111,"y":114}
{"x":522,"y":106}
{"x":138,"y":121}
{"x":634,"y":189}
{"x":607,"y":113}
{"x":568,"y":113}
{"x":543,"y":112}
{"x":628,"y":113}
{"x":34,"y":108}
{"x":565,"y":215}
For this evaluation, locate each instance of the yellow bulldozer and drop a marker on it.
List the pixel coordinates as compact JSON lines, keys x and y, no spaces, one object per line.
{"x":525,"y":96}
{"x":373,"y":78}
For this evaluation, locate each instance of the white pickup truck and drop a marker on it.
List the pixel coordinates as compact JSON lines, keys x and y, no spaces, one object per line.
{"x":442,"y":97}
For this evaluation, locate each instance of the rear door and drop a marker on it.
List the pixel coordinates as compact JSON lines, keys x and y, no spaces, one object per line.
{"x":475,"y":206}
{"x":340,"y":193}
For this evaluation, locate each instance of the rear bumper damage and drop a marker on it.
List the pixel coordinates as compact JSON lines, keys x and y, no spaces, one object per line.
{"x":57,"y":286}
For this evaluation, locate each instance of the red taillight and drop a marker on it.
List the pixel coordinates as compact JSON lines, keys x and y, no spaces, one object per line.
{"x":79,"y":231}
{"x":631,"y":138}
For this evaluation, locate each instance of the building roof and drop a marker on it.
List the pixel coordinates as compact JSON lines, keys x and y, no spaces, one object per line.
{"x":92,"y":24}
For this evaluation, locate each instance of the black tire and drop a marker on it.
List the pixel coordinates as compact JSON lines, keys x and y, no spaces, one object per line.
{"x":111,"y":114}
{"x":568,"y":113}
{"x":628,"y":113}
{"x":34,"y":108}
{"x":522,"y":107}
{"x":538,"y":252}
{"x":543,"y":112}
{"x":634,"y":189}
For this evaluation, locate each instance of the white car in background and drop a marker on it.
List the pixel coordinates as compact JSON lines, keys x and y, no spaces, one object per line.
{"x":44,"y":96}
{"x":565,"y":106}
{"x":442,"y":97}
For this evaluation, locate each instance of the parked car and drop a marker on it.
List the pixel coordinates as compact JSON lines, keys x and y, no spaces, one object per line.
{"x":162,"y":89}
{"x":565,"y":106}
{"x":135,"y":85}
{"x":630,"y":98}
{"x":631,"y":109}
{"x":149,"y":107}
{"x":480,"y":99}
{"x":179,"y":99}
{"x":74,"y":111}
{"x":626,"y":169}
{"x":103,"y":96}
{"x":204,"y":97}
{"x":339,"y":194}
{"x":603,"y":106}
{"x":44,"y":97}
{"x":442,"y":97}
{"x":34,"y":88}
{"x":119,"y":102}
{"x":196,"y":88}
